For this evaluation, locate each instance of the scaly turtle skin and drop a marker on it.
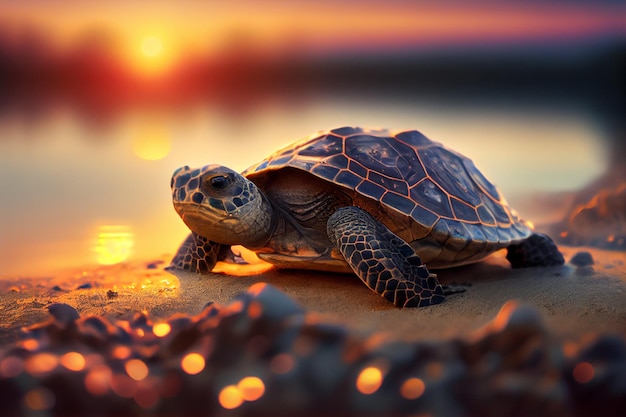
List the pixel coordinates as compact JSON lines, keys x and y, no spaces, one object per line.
{"x":379,"y":204}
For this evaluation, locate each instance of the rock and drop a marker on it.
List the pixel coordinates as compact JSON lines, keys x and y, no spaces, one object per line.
{"x":63,"y":313}
{"x":582,"y":258}
{"x":306,"y":366}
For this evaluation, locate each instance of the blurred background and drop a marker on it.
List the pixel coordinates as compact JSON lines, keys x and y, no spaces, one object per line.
{"x":99,"y":104}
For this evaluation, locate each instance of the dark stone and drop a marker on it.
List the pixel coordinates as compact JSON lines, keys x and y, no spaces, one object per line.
{"x":63,"y":313}
{"x":582,"y":258}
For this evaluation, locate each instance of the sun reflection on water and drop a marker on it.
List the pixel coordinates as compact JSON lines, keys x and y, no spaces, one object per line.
{"x":114,"y":244}
{"x":152,"y":141}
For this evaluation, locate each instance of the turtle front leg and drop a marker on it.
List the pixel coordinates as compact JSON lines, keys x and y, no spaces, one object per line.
{"x":536,"y":250}
{"x":199,"y":254}
{"x":383,"y":261}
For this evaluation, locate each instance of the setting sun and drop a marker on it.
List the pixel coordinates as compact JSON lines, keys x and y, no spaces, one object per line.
{"x":153,"y":54}
{"x":151,"y":46}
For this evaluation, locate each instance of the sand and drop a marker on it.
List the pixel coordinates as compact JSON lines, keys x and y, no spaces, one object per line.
{"x":559,"y":350}
{"x":575,"y":302}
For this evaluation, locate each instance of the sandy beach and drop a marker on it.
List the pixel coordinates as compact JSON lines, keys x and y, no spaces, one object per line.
{"x":574,"y":301}
{"x":539,"y":341}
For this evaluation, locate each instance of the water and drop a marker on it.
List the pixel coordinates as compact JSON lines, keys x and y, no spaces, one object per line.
{"x":77,"y":193}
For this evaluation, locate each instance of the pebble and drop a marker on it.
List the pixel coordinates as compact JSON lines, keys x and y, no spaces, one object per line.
{"x":154,"y":264}
{"x":63,"y":313}
{"x":304,"y":366}
{"x":582,"y":258}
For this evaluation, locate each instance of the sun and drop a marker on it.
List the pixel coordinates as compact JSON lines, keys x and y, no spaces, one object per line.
{"x":151,"y":46}
{"x":152,"y":55}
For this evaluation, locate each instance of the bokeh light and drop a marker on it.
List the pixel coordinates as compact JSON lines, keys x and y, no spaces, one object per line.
{"x":30,"y":344}
{"x":98,"y":380}
{"x":39,"y":399}
{"x":121,"y":352}
{"x":11,"y":366}
{"x":192,"y":363}
{"x":369,"y":380}
{"x":251,"y":388}
{"x":583,"y":372}
{"x":161,"y":329}
{"x":412,"y":388}
{"x":230,"y":397}
{"x":73,"y":361}
{"x":41,"y":363}
{"x":282,"y":363}
{"x":136,"y":369}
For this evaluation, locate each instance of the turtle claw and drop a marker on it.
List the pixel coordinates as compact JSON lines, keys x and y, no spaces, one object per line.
{"x":230,"y":256}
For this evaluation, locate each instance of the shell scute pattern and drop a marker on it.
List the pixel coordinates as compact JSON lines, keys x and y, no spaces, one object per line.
{"x":326,"y":171}
{"x":463,"y":211}
{"x":496,"y":209}
{"x":409,"y":164}
{"x":328,"y":145}
{"x":454,"y":238}
{"x":447,"y":170}
{"x":348,"y":178}
{"x":410,"y":174}
{"x":283,"y":160}
{"x":424,"y":217}
{"x":339,"y":161}
{"x":401,"y":203}
{"x":374,"y":153}
{"x":369,"y":189}
{"x":490,"y":234}
{"x":347,"y":130}
{"x":480,"y":179}
{"x":485,"y":216}
{"x":397,"y":186}
{"x":357,"y":168}
{"x":414,"y":138}
{"x":476,"y":233}
{"x":430,"y":196}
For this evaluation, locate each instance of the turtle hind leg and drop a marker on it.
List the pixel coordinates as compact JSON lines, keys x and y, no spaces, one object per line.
{"x":536,"y":250}
{"x":198,"y":254}
{"x":383,"y":261}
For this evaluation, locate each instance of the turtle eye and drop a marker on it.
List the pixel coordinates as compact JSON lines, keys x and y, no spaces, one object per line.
{"x":220,"y":182}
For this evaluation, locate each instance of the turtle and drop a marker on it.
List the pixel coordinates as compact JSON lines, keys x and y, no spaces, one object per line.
{"x":383,"y":205}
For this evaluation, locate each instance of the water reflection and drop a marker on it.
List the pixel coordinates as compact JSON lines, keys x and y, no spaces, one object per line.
{"x":60,"y":177}
{"x":152,"y":141}
{"x":114,"y":244}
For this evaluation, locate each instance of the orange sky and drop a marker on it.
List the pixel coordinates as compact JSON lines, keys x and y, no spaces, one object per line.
{"x":320,"y":24}
{"x":320,"y":27}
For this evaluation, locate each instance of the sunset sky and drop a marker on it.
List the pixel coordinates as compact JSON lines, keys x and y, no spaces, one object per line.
{"x":155,"y":34}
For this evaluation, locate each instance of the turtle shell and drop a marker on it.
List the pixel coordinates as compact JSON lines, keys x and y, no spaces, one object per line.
{"x":408,"y":173}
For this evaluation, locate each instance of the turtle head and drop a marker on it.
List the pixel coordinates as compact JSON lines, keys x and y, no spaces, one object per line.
{"x":222,"y":205}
